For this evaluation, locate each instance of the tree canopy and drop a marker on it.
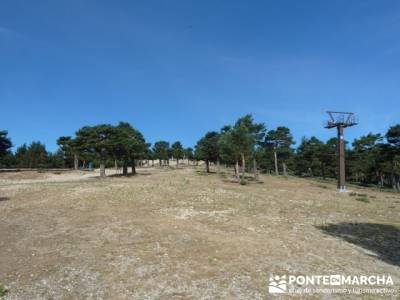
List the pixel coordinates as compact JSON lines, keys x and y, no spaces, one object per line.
{"x":207,"y":148}
{"x":161,"y":151}
{"x":177,"y":151}
{"x":5,"y":143}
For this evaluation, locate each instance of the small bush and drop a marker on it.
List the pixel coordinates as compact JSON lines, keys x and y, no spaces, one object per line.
{"x":354,"y":194}
{"x":3,"y":290}
{"x":363,"y":199}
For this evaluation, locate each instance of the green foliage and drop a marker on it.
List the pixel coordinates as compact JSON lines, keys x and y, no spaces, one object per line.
{"x":5,"y":143}
{"x":241,"y":143}
{"x":7,"y":158}
{"x":161,"y":150}
{"x":104,"y":141}
{"x":207,"y":147}
{"x":56,"y":159}
{"x":247,"y":135}
{"x":373,"y":159}
{"x":97,"y":139}
{"x":67,"y":149}
{"x":189,"y":154}
{"x":241,"y":140}
{"x":354,"y":194}
{"x":363,"y":199}
{"x":316,"y":158}
{"x":363,"y":160}
{"x":393,"y":135}
{"x":177,"y":150}
{"x":33,"y":156}
{"x":281,"y":141}
{"x":3,"y":290}
{"x":227,"y":149}
{"x":128,"y":143}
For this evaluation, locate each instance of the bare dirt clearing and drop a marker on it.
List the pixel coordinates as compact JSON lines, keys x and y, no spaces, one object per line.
{"x":182,"y":234}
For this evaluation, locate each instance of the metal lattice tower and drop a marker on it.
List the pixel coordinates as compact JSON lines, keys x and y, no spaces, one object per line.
{"x":341,"y":120}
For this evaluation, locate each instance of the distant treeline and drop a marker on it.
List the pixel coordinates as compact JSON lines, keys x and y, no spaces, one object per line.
{"x":246,"y":146}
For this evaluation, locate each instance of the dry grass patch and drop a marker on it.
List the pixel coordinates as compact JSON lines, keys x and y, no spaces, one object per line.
{"x":182,"y":234}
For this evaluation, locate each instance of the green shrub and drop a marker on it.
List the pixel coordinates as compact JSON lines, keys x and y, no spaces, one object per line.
{"x":3,"y":290}
{"x":363,"y":199}
{"x":354,"y":194}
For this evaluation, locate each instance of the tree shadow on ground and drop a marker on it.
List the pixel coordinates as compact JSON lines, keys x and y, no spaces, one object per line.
{"x":248,"y":180}
{"x":129,"y":175}
{"x":381,"y":239}
{"x":201,"y":172}
{"x":4,"y":199}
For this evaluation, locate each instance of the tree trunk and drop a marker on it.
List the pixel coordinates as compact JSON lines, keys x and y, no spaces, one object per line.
{"x":133,"y":167}
{"x":284,"y":169}
{"x":207,"y":166}
{"x":76,"y":162}
{"x":237,"y":173}
{"x":125,"y":168}
{"x":276,"y":162}
{"x":255,"y":169}
{"x":102,"y":169}
{"x":243,"y":166}
{"x":115,"y":164}
{"x":395,"y":182}
{"x":218,"y":166}
{"x":177,"y":162}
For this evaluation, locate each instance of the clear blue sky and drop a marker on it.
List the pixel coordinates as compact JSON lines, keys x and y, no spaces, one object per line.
{"x":176,"y":69}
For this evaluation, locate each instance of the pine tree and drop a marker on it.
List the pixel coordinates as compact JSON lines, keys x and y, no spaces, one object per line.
{"x":177,"y":151}
{"x":161,"y":151}
{"x":5,"y":143}
{"x":207,"y":149}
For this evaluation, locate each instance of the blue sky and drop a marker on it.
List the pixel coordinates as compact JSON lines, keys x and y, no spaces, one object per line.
{"x":176,"y":69}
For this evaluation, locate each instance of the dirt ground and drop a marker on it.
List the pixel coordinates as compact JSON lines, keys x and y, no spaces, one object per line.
{"x":184,"y":234}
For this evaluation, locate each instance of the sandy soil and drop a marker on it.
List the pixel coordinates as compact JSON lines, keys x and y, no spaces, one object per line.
{"x":183,"y":234}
